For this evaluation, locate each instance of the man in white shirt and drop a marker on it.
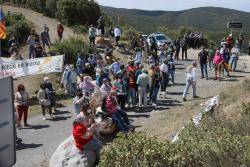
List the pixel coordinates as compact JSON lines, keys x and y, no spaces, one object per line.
{"x":235,"y":56}
{"x":118,"y":33}
{"x":165,"y":77}
{"x":143,"y":84}
{"x":190,"y":80}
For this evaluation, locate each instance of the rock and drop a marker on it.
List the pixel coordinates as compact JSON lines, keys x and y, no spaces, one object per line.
{"x":102,"y":42}
{"x":67,"y":155}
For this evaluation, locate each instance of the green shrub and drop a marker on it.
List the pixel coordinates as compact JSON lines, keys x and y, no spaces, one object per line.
{"x":74,"y":12}
{"x":51,"y":8}
{"x":70,"y":48}
{"x":129,"y":32}
{"x":212,"y":143}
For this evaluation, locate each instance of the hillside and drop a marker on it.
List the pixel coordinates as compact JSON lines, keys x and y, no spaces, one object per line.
{"x":206,"y":18}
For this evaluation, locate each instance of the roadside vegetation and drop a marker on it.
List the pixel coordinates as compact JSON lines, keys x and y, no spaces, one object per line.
{"x":222,"y":139}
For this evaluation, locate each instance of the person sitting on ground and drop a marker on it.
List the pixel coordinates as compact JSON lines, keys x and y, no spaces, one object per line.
{"x":190,"y":80}
{"x":13,"y":49}
{"x":83,"y":129}
{"x":16,"y":56}
{"x":44,"y":100}
{"x":87,"y":87}
{"x":39,"y":52}
{"x":105,"y":88}
{"x":119,"y":117}
{"x":89,"y":70}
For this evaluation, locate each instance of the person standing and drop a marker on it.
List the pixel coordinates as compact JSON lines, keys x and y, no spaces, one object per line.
{"x":101,"y":25}
{"x":171,"y":68}
{"x":111,"y":33}
{"x":210,"y":58}
{"x":120,"y":86}
{"x":165,"y":77}
{"x":217,"y":61}
{"x":115,"y":67}
{"x":184,"y":47}
{"x":143,"y":85}
{"x":22,"y":103}
{"x":177,"y":49}
{"x":155,"y":85}
{"x":132,"y":83}
{"x":190,"y":80}
{"x":241,"y":41}
{"x":203,"y":57}
{"x":60,"y":30}
{"x":118,"y":34}
{"x":92,"y":35}
{"x":138,"y":56}
{"x":71,"y":80}
{"x":52,"y":94}
{"x":44,"y":100}
{"x":235,"y":56}
{"x":45,"y":38}
{"x":153,"y":44}
{"x":134,"y":43}
{"x":31,"y":42}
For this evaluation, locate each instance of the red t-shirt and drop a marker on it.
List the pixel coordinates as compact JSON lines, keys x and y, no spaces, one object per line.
{"x":78,"y":131}
{"x":131,"y":72}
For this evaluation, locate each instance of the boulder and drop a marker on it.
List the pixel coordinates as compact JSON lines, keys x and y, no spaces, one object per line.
{"x":67,"y":155}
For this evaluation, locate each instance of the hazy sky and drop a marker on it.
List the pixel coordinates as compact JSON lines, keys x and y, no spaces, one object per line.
{"x":173,"y":5}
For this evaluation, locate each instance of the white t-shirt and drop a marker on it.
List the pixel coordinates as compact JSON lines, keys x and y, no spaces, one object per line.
{"x":164,"y":68}
{"x":117,"y":32}
{"x":191,"y":74}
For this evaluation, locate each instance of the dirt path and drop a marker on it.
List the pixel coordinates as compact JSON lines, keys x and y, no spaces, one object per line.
{"x":39,"y":20}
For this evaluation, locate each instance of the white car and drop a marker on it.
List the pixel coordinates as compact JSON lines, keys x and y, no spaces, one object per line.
{"x":160,"y":39}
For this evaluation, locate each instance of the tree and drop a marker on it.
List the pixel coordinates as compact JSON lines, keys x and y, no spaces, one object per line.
{"x":75,"y":12}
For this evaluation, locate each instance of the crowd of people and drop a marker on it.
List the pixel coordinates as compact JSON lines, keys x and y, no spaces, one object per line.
{"x":123,"y":84}
{"x":37,"y":43}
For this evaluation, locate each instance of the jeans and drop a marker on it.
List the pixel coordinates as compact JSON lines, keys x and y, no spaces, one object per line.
{"x":119,"y":122}
{"x":131,"y":94}
{"x":189,"y":82}
{"x":95,"y":146}
{"x":164,"y":82}
{"x":204,"y":70}
{"x":234,"y":63}
{"x":72,"y":89}
{"x":124,"y":116}
{"x":31,"y":52}
{"x":154,"y":94}
{"x":142,"y":96}
{"x":171,"y":73}
{"x":121,"y":100}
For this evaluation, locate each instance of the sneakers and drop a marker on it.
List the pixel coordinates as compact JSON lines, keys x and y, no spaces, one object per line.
{"x":184,"y":99}
{"x":44,"y":118}
{"x":153,"y":104}
{"x":195,"y":97}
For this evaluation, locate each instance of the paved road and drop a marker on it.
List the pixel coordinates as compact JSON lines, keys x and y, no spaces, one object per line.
{"x":40,"y":141}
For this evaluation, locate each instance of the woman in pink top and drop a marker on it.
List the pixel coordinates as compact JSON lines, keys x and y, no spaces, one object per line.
{"x":218,"y":59}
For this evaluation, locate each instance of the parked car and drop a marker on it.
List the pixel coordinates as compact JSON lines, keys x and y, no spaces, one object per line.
{"x":160,"y":38}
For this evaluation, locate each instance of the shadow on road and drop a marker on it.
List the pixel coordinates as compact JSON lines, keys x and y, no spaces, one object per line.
{"x":37,"y":127}
{"x":60,"y":118}
{"x":23,"y":146}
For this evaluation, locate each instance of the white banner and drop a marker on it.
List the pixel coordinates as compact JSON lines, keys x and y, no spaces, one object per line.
{"x":20,"y":68}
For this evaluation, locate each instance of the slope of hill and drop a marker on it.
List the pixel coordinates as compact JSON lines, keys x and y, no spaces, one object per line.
{"x":204,"y":18}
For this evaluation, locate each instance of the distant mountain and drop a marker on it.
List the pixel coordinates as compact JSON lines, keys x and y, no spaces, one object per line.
{"x":210,"y":19}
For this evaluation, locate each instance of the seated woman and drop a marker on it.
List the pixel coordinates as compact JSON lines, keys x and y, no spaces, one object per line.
{"x":86,"y":86}
{"x":83,"y":128}
{"x":119,"y":117}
